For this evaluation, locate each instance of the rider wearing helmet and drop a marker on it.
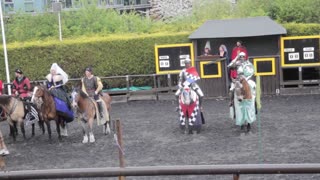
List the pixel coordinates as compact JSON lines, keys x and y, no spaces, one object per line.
{"x":194,"y":86}
{"x":21,"y":87}
{"x":92,"y":86}
{"x":244,"y":68}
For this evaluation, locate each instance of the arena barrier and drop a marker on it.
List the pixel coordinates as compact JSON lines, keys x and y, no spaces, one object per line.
{"x":185,"y":170}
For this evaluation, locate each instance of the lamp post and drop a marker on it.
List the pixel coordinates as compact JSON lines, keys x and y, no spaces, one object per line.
{"x":5,"y":49}
{"x":56,"y":7}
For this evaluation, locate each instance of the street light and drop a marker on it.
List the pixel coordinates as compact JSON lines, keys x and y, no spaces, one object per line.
{"x":56,"y":7}
{"x":5,"y":49}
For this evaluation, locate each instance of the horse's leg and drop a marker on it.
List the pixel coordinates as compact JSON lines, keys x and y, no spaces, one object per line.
{"x":85,"y":136}
{"x":32,"y":129}
{"x":13,"y":132}
{"x":248,"y":127}
{"x":63,"y":127}
{"x":15,"y":128}
{"x":41,"y":126}
{"x":48,"y":128}
{"x":22,"y":129}
{"x":91,"y":136}
{"x":58,"y":128}
{"x":3,"y":147}
{"x":106,"y":127}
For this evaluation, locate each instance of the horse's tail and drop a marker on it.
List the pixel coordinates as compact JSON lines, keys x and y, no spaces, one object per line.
{"x":258,"y":92}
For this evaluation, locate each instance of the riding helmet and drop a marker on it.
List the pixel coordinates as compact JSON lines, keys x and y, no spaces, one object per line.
{"x":18,"y":70}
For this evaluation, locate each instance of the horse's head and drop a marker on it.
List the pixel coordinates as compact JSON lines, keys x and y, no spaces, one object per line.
{"x":242,"y":88}
{"x":75,"y":97}
{"x":188,"y":95}
{"x":38,"y":91}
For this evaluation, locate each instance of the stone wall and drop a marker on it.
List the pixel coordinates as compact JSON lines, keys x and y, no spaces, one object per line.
{"x":167,"y":9}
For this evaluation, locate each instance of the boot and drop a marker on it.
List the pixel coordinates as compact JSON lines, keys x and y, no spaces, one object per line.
{"x":100,"y":108}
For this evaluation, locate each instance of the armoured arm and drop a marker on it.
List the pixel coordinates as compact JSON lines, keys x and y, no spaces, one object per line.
{"x":249,"y":71}
{"x":233,"y":62}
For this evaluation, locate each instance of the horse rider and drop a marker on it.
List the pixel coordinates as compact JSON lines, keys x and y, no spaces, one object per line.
{"x":244,"y":68}
{"x":56,"y":80}
{"x":92,"y":86}
{"x":194,"y":86}
{"x":21,"y":88}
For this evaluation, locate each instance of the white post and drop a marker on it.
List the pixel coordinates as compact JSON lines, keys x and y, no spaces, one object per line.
{"x":60,"y":31}
{"x":5,"y":49}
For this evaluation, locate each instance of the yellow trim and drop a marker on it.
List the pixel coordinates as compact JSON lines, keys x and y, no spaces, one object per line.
{"x":219,"y":75}
{"x":300,"y":37}
{"x":297,"y":37}
{"x":156,"y":47}
{"x":273,"y":61}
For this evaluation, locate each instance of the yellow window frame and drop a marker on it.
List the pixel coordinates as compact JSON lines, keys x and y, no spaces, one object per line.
{"x":273,"y":61}
{"x":202,"y":63}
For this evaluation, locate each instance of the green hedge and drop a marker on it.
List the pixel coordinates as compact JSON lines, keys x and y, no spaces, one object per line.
{"x":298,"y":29}
{"x":109,"y":56}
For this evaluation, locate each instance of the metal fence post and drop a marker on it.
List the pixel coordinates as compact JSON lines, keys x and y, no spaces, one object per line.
{"x":155,"y":86}
{"x":128,"y":86}
{"x":169,"y":82}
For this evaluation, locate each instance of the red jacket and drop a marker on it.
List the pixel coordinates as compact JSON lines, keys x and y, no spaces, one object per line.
{"x":22,"y":87}
{"x":236,"y":50}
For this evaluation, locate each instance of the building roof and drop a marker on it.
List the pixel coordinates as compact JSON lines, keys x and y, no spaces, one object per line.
{"x":245,"y":27}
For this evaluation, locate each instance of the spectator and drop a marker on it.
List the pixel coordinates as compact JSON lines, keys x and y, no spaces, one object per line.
{"x":207,"y":49}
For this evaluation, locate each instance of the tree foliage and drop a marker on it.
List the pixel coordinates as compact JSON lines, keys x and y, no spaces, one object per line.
{"x":91,"y":20}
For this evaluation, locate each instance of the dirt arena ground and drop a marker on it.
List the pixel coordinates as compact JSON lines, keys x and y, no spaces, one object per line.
{"x":289,"y":130}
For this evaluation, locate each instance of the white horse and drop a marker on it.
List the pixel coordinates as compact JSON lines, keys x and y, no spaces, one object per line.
{"x":190,"y":115}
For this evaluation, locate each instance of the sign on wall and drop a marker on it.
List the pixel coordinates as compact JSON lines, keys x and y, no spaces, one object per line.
{"x":300,"y":51}
{"x":170,"y":58}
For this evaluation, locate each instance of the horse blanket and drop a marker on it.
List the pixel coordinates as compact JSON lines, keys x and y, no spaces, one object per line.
{"x":244,"y":111}
{"x":191,"y":111}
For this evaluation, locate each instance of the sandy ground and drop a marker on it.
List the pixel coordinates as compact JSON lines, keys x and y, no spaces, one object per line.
{"x":289,"y":134}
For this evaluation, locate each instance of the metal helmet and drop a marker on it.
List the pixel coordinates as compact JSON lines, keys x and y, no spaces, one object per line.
{"x":242,"y":54}
{"x":187,"y":61}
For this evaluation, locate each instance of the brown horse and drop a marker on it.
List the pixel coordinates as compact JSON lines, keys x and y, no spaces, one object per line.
{"x":244,"y":102}
{"x":47,"y":108}
{"x":242,"y":89}
{"x":86,"y":108}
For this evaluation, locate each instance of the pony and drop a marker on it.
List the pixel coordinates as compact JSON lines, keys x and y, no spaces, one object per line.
{"x":87,"y":110}
{"x":190,"y":115}
{"x":244,"y":102}
{"x":15,"y":112}
{"x":47,"y":109}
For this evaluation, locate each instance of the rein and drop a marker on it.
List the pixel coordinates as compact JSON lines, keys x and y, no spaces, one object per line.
{"x":14,"y":106}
